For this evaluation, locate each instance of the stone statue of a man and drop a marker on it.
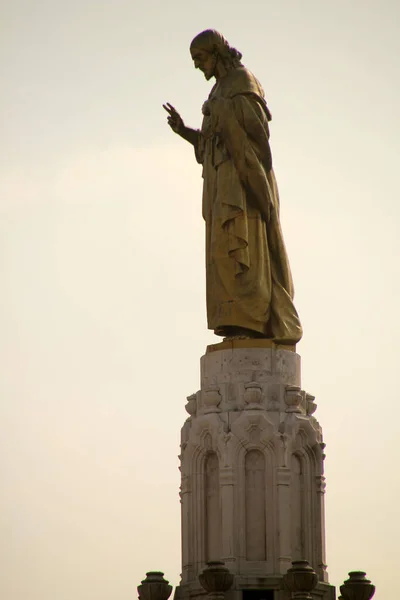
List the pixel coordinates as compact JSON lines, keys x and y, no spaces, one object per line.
{"x":249,"y":283}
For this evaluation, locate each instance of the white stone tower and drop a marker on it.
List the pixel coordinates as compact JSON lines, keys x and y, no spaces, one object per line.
{"x":252,"y":490}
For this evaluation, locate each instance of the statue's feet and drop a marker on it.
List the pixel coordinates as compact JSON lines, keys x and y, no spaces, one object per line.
{"x":240,"y":333}
{"x":231,"y":338}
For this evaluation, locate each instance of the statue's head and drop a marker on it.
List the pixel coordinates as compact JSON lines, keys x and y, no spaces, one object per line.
{"x":211,"y":52}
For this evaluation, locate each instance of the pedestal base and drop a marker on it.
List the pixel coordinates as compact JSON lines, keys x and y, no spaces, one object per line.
{"x":252,"y":488}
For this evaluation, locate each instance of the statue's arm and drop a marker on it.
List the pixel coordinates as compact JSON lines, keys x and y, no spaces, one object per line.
{"x":190,"y":135}
{"x":177,"y":125}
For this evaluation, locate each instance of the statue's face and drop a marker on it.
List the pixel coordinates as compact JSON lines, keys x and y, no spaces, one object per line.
{"x":205,"y":61}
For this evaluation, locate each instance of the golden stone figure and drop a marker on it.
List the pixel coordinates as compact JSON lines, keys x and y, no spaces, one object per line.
{"x":249,"y":283}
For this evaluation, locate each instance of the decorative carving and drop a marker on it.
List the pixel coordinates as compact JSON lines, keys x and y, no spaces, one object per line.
{"x":321,"y":484}
{"x":302,"y":431}
{"x":186,"y":484}
{"x":293,"y":398}
{"x":207,"y":442}
{"x":154,"y":587}
{"x":254,"y":434}
{"x":226,"y":449}
{"x":317,"y":427}
{"x":300,"y":580}
{"x":201,"y":425}
{"x":211,"y":399}
{"x":246,"y":423}
{"x":253,"y":395}
{"x":191,"y":405}
{"x":357,"y":587}
{"x":273,"y":402}
{"x":323,"y":446}
{"x":216,"y":579}
{"x":185,"y":431}
{"x":311,"y":407}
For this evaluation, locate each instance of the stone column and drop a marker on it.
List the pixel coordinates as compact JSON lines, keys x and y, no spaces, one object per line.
{"x":284,"y":516}
{"x":227,"y":514}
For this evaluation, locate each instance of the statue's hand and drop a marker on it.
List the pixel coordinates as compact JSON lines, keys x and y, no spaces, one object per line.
{"x":175,"y":120}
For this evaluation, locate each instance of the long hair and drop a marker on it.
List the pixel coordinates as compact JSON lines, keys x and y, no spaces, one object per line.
{"x":214,"y":42}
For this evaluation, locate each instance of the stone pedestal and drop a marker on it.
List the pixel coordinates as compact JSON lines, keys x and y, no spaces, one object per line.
{"x":252,"y":490}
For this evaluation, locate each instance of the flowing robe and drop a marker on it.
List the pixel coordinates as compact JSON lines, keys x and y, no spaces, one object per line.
{"x":248,"y":278}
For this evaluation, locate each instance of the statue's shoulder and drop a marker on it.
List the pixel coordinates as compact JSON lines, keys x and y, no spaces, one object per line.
{"x":242,"y":81}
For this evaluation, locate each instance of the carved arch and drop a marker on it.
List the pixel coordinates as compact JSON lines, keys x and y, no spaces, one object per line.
{"x":270,"y":522}
{"x":304,"y":468}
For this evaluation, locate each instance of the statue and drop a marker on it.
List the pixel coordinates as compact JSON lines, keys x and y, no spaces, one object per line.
{"x":248,"y":278}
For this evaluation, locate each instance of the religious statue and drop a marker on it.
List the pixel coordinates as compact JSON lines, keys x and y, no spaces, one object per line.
{"x":248,"y":279}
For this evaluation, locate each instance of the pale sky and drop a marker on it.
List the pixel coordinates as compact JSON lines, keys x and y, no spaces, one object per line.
{"x":102,"y":310}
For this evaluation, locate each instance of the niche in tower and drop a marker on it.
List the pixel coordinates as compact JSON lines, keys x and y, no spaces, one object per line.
{"x":255,"y":506}
{"x":212,"y":508}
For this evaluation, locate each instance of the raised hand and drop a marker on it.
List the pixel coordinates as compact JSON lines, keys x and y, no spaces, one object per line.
{"x":175,"y":120}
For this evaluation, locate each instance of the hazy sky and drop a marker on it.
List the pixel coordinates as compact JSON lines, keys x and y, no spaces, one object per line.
{"x":102,"y":309}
